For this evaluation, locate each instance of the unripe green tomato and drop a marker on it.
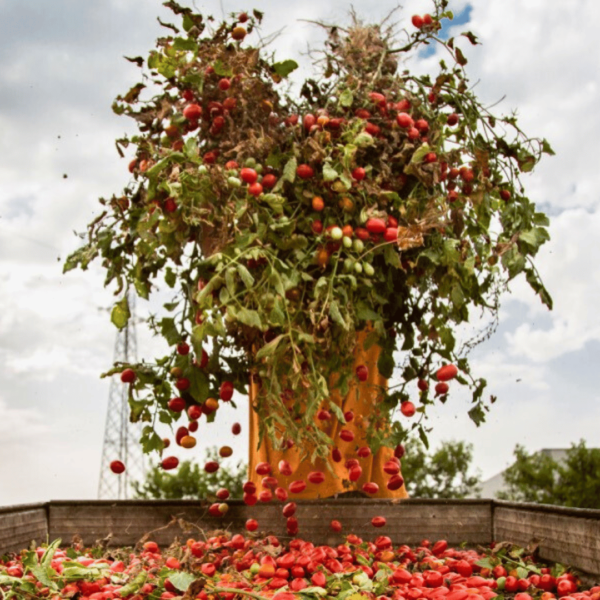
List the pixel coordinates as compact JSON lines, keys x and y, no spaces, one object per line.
{"x":254,"y":568}
{"x":359,"y":245}
{"x":336,"y":233}
{"x":251,"y":163}
{"x":347,"y":242}
{"x":369,"y":270}
{"x":165,"y":142}
{"x":202,"y":170}
{"x":358,"y":268}
{"x":258,"y":169}
{"x":234,"y":182}
{"x":348,"y":264}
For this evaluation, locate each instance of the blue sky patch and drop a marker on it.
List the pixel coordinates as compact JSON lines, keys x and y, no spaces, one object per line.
{"x":460,"y":18}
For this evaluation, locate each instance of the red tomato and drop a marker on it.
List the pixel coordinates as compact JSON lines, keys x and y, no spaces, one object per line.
{"x":116,"y":466}
{"x":407,"y":408}
{"x":375,"y":225}
{"x":362,"y":372}
{"x":128,"y":376}
{"x":316,"y":477}
{"x":297,"y":487}
{"x":395,"y":482}
{"x":251,"y":524}
{"x":169,"y":463}
{"x":305,"y":171}
{"x":176,"y":404}
{"x":378,"y":521}
{"x":446,"y":373}
{"x":346,"y":435}
{"x":192,"y":112}
{"x":370,"y":487}
{"x":226,"y":391}
{"x":441,"y":388}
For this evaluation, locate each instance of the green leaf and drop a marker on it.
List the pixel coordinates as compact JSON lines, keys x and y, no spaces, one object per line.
{"x":275,"y":201}
{"x":48,"y":555}
{"x":336,"y":315}
{"x":534,"y":238}
{"x":198,"y":384}
{"x":364,"y":313}
{"x":169,"y":331}
{"x":329,"y":173}
{"x":346,"y":98}
{"x":471,"y":37}
{"x":386,"y":364}
{"x":150,"y":440}
{"x":457,"y":295}
{"x":283,"y":69}
{"x":44,"y":576}
{"x":477,"y":414}
{"x":314,"y":591}
{"x":221,"y":69}
{"x":420,"y":153}
{"x":245,"y":275}
{"x":136,"y":584}
{"x":363,"y":140}
{"x":547,"y":148}
{"x":191,"y":149}
{"x":120,"y":313}
{"x":249,"y":317}
{"x":391,"y":256}
{"x":460,"y":57}
{"x":513,"y":261}
{"x":181,"y":580}
{"x":277,"y":316}
{"x":269,"y":348}
{"x":170,"y":277}
{"x":485,"y":563}
{"x":185,"y":44}
{"x":289,"y":171}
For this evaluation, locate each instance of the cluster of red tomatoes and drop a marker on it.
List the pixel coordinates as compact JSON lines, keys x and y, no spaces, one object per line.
{"x":230,"y":567}
{"x":271,"y":489}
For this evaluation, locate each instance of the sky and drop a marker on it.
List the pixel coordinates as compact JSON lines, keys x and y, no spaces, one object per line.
{"x":61,"y":66}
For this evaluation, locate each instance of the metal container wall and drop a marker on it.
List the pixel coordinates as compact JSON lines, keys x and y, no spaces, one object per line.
{"x":569,"y":536}
{"x":19,"y":525}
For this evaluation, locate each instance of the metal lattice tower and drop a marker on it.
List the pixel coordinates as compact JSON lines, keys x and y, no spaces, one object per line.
{"x":120,"y":436}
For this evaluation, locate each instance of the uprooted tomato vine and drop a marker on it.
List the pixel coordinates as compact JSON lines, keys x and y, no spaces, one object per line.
{"x":284,"y":223}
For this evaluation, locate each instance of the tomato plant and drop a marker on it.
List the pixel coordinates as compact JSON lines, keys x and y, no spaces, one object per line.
{"x":376,"y":199}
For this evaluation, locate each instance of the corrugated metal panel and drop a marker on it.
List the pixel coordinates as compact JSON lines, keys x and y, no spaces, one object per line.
{"x":19,"y":525}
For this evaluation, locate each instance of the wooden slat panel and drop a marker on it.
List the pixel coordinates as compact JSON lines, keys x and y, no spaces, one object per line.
{"x":407,"y":522}
{"x":20,"y":525}
{"x":563,"y":538}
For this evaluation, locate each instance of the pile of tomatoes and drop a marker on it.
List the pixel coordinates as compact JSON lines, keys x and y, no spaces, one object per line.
{"x":231,"y":567}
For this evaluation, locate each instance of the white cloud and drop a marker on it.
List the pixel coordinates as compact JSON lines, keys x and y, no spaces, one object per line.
{"x":569,"y":268}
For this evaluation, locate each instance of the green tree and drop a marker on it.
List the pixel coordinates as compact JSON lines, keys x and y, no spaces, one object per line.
{"x":537,"y":477}
{"x":443,"y":473}
{"x":191,"y":481}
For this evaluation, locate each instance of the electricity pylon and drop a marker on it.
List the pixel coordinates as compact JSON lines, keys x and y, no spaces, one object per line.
{"x":120,"y":436}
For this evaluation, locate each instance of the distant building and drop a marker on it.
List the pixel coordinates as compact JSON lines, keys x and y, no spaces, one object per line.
{"x":495,"y":484}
